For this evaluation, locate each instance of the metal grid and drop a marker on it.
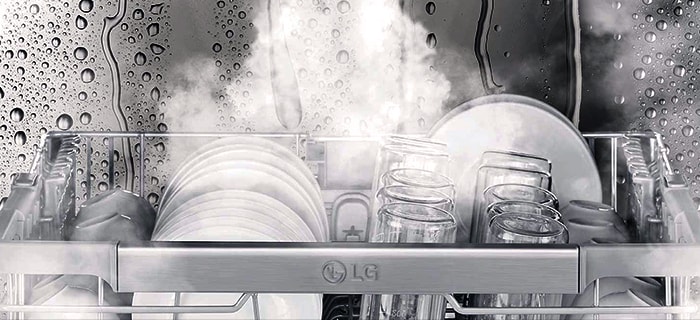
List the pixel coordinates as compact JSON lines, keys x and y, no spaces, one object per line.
{"x":607,"y":143}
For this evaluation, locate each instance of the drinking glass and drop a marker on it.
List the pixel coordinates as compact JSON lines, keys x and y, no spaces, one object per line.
{"x":488,"y":176}
{"x":409,"y":223}
{"x":505,"y":192}
{"x":516,"y":160}
{"x":420,"y":178}
{"x":514,"y":206}
{"x":420,"y":195}
{"x":530,"y":228}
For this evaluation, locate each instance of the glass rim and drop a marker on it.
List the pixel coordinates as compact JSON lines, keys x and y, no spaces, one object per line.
{"x":523,"y":202}
{"x":443,"y":217}
{"x":442,"y":181}
{"x":413,"y":140}
{"x":421,"y":150}
{"x":518,"y":154}
{"x":546,"y":192}
{"x":430,"y":195}
{"x":499,"y":221}
{"x":491,"y":166}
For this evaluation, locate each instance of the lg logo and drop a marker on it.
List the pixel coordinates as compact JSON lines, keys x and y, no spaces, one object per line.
{"x":335,"y":272}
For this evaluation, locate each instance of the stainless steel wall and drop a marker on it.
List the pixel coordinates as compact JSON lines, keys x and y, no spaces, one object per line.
{"x":336,"y":67}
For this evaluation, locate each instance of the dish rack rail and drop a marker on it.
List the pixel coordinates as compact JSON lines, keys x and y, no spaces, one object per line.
{"x":70,"y":167}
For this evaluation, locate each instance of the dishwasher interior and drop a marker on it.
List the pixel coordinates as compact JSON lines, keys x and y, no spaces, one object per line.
{"x":71,"y":167}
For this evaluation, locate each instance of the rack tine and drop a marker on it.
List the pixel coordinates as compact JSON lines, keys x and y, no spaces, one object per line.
{"x":88,"y":167}
{"x":256,"y":307}
{"x":142,"y":165}
{"x":100,"y":295}
{"x":111,"y":162}
{"x":596,"y":296}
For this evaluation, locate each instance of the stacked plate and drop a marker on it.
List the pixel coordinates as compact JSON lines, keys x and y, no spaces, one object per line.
{"x":241,"y":189}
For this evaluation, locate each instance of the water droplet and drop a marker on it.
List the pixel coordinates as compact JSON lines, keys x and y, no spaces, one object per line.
{"x":216,"y":47}
{"x":34,"y":9}
{"x":221,"y":4}
{"x":138,"y":14}
{"x":2,"y":94}
{"x":9,"y":54}
{"x":160,"y":147}
{"x":431,"y":40}
{"x":155,"y":94}
{"x":17,"y":114}
{"x":679,"y":70}
{"x":497,"y":28}
{"x":619,"y":99}
{"x":140,"y":58}
{"x":647,"y":2}
{"x":162,"y":127}
{"x":650,"y":36}
{"x":649,"y":92}
{"x":342,"y":57}
{"x":663,"y":122}
{"x":343,"y":6}
{"x":153,"y":29}
{"x":153,"y":198}
{"x":20,"y":138}
{"x":82,"y":95}
{"x":241,"y":14}
{"x":618,"y":65}
{"x":146,"y":76}
{"x":335,"y":33}
{"x":156,"y":8}
{"x":646,"y":59}
{"x":430,"y":7}
{"x":661,"y":25}
{"x":678,"y":11}
{"x":22,"y":54}
{"x":85,"y":118}
{"x":87,"y":75}
{"x":687,"y":130}
{"x":56,"y":42}
{"x":102,"y":186}
{"x":80,"y":53}
{"x":650,"y":113}
{"x":64,"y":122}
{"x":86,"y":5}
{"x":639,"y":73}
{"x":156,"y":48}
{"x":80,"y":22}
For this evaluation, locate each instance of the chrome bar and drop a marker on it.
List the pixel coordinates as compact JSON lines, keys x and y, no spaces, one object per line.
{"x":110,"y":154}
{"x":142,"y":166}
{"x":613,"y":173}
{"x":136,"y":134}
{"x":345,"y":268}
{"x":129,"y":309}
{"x":88,"y":168}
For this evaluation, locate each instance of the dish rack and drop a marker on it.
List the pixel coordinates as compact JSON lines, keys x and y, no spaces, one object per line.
{"x":70,"y":167}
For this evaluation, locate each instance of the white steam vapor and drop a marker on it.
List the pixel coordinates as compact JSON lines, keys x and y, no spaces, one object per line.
{"x":364,"y":69}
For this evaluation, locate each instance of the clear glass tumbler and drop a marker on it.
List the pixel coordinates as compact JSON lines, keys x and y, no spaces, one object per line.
{"x":514,"y":206}
{"x":508,"y":192}
{"x":420,"y":178}
{"x":530,"y":228}
{"x":419,"y":195}
{"x":409,"y":223}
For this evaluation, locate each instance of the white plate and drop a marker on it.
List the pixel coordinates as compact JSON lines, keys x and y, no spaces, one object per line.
{"x":520,"y":124}
{"x":230,"y":215}
{"x":279,"y":159}
{"x":272,"y":306}
{"x":202,"y":154}
{"x":255,"y":181}
{"x":246,"y":200}
{"x":253,"y":165}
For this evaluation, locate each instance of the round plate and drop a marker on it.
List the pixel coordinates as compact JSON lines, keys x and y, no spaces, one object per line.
{"x":264,"y":156}
{"x":246,"y":200}
{"x":202,"y":154}
{"x":256,"y":181}
{"x":520,"y":124}
{"x":230,"y":214}
{"x":317,"y":205}
{"x":225,"y":217}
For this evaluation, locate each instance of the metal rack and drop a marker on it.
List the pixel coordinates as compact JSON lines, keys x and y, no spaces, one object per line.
{"x":68,"y":168}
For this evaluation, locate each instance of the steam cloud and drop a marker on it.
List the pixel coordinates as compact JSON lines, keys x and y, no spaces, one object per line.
{"x":366,"y":70}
